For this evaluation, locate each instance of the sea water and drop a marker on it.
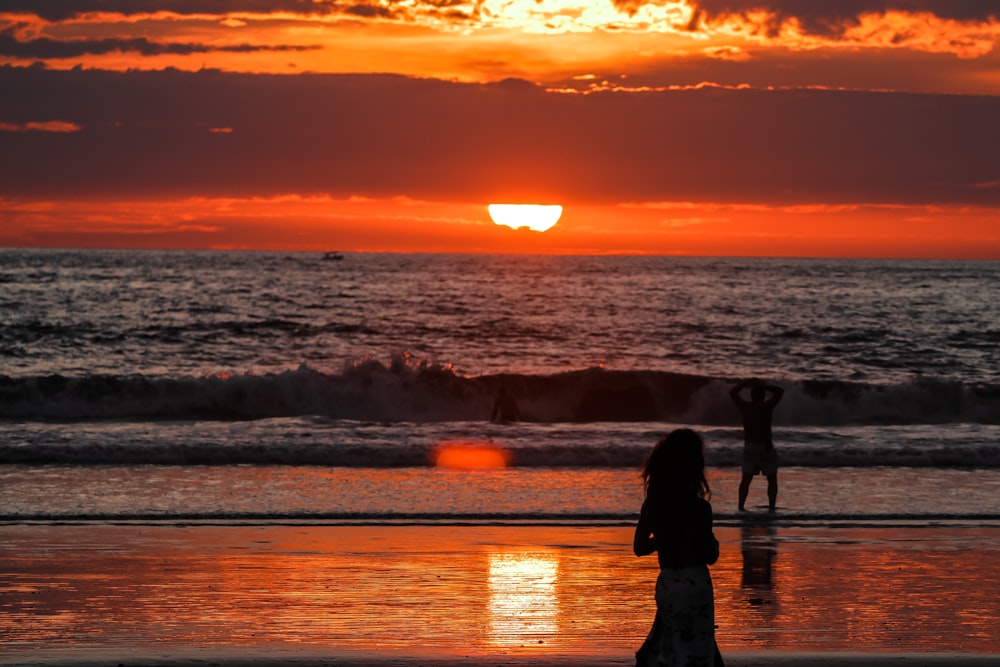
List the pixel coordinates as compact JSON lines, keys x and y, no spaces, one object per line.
{"x":139,"y":385}
{"x":237,"y":423}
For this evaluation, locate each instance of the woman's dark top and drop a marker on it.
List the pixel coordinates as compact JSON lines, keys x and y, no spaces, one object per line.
{"x":682,"y":531}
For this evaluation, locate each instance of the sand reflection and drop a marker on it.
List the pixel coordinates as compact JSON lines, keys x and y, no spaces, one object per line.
{"x":523,"y":605}
{"x":486,"y":590}
{"x":759,"y":547}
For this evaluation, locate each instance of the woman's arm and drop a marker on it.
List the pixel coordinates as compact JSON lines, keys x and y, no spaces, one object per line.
{"x":643,"y":543}
{"x":708,"y":546}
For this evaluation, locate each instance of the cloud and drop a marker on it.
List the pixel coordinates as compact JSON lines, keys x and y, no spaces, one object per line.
{"x":66,"y":10}
{"x":831,"y":17}
{"x":369,"y":11}
{"x":40,"y":126}
{"x":732,"y":53}
{"x":46,"y":47}
{"x":591,"y":34}
{"x":817,"y":17}
{"x":148,"y":134}
{"x":61,"y":10}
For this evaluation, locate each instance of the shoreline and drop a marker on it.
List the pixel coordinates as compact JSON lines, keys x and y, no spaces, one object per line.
{"x":164,"y":495}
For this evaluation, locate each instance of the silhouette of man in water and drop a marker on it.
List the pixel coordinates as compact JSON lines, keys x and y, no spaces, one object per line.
{"x":505,"y":408}
{"x":758,"y":447}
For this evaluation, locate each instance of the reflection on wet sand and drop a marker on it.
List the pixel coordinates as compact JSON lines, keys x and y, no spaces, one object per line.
{"x":523,"y":605}
{"x":759,"y":546}
{"x":486,"y":590}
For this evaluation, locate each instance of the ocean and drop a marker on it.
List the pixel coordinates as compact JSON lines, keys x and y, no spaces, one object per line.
{"x":183,"y":379}
{"x":250,"y":451}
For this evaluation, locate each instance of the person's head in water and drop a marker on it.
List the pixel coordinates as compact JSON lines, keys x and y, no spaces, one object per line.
{"x":677,"y":466}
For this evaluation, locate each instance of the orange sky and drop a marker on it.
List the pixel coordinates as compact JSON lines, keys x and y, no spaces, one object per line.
{"x":710,"y":127}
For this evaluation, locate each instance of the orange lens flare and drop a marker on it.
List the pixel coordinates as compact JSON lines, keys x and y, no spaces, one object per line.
{"x":470,"y":456}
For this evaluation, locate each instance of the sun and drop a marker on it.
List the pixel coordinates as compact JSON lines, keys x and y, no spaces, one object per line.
{"x":536,"y":217}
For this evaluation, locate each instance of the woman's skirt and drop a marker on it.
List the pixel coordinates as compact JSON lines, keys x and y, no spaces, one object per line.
{"x":683,"y":633}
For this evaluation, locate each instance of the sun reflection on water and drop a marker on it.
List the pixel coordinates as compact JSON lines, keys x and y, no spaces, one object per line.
{"x":523,"y":605}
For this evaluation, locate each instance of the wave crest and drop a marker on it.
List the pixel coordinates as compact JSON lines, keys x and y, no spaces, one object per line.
{"x":409,"y":389}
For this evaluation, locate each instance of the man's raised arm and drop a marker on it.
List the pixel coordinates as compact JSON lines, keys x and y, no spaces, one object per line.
{"x":734,"y":393}
{"x":776,"y":393}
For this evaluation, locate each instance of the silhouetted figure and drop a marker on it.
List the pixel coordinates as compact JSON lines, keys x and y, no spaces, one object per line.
{"x":676,"y":523}
{"x":759,"y":455}
{"x":505,"y":408}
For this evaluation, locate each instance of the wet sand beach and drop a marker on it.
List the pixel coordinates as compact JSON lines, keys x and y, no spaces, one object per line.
{"x":306,"y":658}
{"x":485,"y":595}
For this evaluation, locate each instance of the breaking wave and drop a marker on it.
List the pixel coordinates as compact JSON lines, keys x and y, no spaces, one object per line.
{"x":405,"y":391}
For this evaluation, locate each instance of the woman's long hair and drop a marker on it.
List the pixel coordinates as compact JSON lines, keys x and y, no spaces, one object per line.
{"x":676,"y":467}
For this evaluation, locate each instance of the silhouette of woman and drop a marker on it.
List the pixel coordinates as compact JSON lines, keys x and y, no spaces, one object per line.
{"x":676,"y":523}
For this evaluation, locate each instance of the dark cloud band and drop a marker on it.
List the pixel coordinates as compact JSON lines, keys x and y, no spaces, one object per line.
{"x":831,"y":16}
{"x":150,"y":133}
{"x":45,"y":47}
{"x":60,"y":10}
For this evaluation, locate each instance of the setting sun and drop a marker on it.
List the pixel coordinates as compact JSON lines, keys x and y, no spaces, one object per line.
{"x":536,"y":217}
